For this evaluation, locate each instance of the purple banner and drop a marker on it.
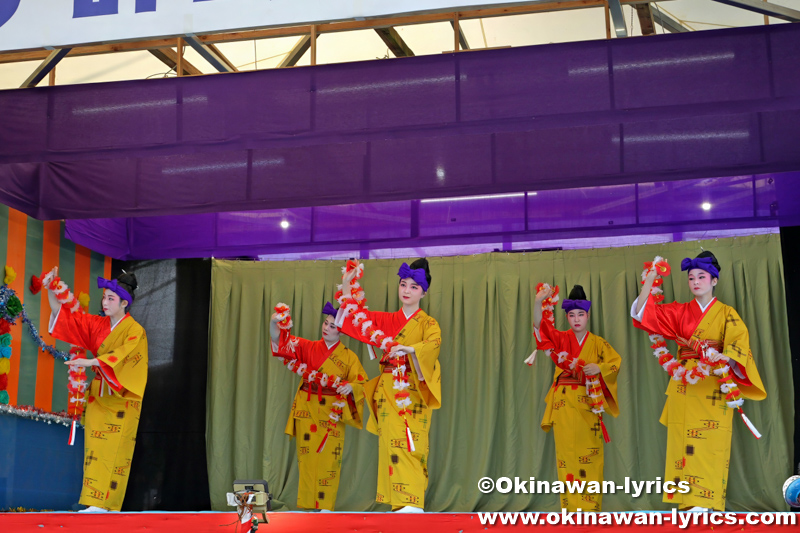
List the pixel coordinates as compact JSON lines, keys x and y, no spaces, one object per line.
{"x":712,"y":204}
{"x":576,"y":115}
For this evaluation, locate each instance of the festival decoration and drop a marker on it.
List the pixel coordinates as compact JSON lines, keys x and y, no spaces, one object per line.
{"x":11,"y":309}
{"x":10,"y":276}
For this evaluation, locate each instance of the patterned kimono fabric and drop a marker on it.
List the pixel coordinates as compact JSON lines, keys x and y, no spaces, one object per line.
{"x":114,"y":402}
{"x":403,"y":475}
{"x":309,"y":420}
{"x":577,"y":431}
{"x":699,"y":423}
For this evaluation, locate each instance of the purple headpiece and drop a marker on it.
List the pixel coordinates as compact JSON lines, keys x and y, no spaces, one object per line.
{"x":329,"y":310}
{"x":703,"y":263}
{"x":417,"y":274}
{"x":114,"y":287}
{"x":571,"y":305}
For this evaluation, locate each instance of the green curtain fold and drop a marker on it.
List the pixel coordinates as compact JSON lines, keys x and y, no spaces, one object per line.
{"x":492,"y":402}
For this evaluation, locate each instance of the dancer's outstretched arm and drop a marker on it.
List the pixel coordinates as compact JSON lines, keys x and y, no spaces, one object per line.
{"x":648,"y":284}
{"x":544,"y":293}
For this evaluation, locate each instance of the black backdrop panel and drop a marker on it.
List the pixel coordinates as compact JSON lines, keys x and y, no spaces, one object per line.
{"x":790,"y":247}
{"x":169,"y":464}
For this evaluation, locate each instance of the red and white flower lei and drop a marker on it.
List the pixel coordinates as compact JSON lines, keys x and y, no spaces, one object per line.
{"x":354,"y":307}
{"x":76,"y":391}
{"x":287,"y":343}
{"x":710,"y":358}
{"x":548,"y":304}
{"x":77,"y":385}
{"x":593,"y":388}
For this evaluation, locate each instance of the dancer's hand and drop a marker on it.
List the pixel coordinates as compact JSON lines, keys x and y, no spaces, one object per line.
{"x":544,"y":293}
{"x":591,"y":369}
{"x":400,"y":348}
{"x":348,"y":277}
{"x":715,"y":356}
{"x":274,"y":318}
{"x":344,"y":390}
{"x":531,"y":358}
{"x":49,"y":277}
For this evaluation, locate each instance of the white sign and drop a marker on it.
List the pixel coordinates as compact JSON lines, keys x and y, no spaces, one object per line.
{"x":29,"y":24}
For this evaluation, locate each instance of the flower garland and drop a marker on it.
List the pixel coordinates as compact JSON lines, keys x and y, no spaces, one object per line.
{"x":5,"y":359}
{"x":301,"y":369}
{"x":548,"y":304}
{"x":668,"y":361}
{"x":354,"y":306}
{"x":32,"y":413}
{"x":710,"y":358}
{"x":594,"y":390}
{"x":77,"y":391}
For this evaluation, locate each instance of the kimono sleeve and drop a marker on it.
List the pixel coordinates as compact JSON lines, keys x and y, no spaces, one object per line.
{"x":294,"y":348}
{"x":357,"y":378}
{"x":736,"y":346}
{"x":380,"y":320}
{"x":663,"y":319}
{"x":125,"y":367}
{"x":80,"y":329}
{"x":609,"y":370}
{"x":426,"y":359}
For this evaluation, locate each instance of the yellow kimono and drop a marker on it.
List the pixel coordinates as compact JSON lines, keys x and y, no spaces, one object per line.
{"x":402,"y":474}
{"x":577,"y":430}
{"x":114,"y":402}
{"x":310,"y":420}
{"x":699,"y":422}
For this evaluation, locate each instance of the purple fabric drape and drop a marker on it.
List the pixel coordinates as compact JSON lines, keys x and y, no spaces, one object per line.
{"x":672,"y":207}
{"x":652,"y":109}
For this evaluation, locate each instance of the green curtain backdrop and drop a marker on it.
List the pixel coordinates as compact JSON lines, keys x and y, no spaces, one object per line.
{"x":492,"y":402}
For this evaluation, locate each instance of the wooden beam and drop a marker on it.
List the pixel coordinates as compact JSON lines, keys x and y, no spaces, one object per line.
{"x":456,"y":32}
{"x":45,"y":67}
{"x":462,"y":39}
{"x":395,"y":43}
{"x":178,"y":58}
{"x":207,"y":53}
{"x":172,"y":59}
{"x":313,"y":44}
{"x":298,"y":50}
{"x":645,"y":19}
{"x":330,"y":27}
{"x":224,"y":59}
{"x":608,"y":20}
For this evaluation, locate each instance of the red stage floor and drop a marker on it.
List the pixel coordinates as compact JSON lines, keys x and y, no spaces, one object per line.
{"x":311,"y":522}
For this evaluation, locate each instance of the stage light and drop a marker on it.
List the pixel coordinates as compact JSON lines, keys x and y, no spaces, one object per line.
{"x":250,"y":497}
{"x":706,"y":206}
{"x":285,"y":224}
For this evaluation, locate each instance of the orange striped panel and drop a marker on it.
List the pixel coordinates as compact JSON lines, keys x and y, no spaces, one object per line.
{"x":83,"y":276}
{"x":107,"y":268}
{"x":15,"y":258}
{"x":45,"y":363}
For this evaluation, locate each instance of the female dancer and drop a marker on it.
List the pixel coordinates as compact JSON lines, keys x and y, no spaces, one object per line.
{"x":115,"y":395}
{"x":713,"y":343}
{"x":409,"y":387}
{"x":584,"y":386}
{"x":330,"y":395}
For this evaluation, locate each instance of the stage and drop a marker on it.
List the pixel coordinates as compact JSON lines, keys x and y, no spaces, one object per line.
{"x":298,"y":522}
